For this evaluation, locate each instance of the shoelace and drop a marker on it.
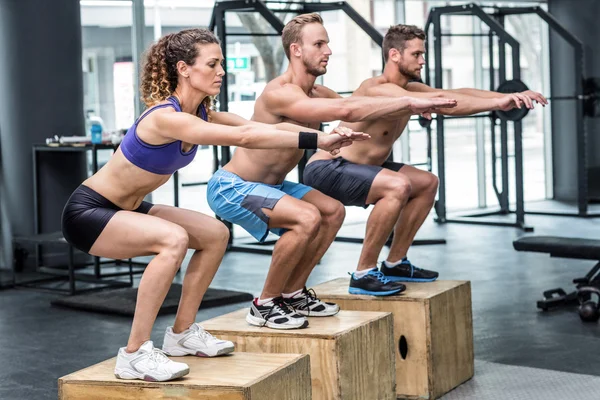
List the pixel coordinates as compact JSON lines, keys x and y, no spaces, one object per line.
{"x":309,"y":296}
{"x":380,"y":276}
{"x":412,"y":268}
{"x":205,"y":336}
{"x":278,"y":306}
{"x":158,"y":356}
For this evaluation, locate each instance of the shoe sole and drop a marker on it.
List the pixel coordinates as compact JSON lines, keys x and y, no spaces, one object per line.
{"x":130,"y":374}
{"x":182,"y":351}
{"x":317,"y":314}
{"x":370,"y":293}
{"x":261,"y":323}
{"x":404,"y":279}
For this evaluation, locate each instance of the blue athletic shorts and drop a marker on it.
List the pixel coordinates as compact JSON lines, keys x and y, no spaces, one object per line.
{"x":240,"y":202}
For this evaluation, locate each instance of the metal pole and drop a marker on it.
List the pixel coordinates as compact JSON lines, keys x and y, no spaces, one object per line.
{"x":219,"y":24}
{"x":493,"y":119}
{"x":137,"y":43}
{"x":400,"y":11}
{"x":503,"y":198}
{"x":428,"y":82}
{"x":437,"y":46}
{"x":479,"y":131}
{"x":518,"y":128}
{"x":224,"y":94}
{"x":582,"y":178}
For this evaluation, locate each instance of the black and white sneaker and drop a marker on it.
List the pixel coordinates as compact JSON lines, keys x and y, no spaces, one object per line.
{"x":275,"y":314}
{"x":308,"y":304}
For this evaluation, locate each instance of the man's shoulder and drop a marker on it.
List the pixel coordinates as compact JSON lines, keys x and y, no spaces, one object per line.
{"x":370,"y":83}
{"x":278,"y":86}
{"x":323,"y":92}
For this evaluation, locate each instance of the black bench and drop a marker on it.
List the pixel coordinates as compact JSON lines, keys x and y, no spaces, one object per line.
{"x":69,"y":274}
{"x":564,"y":247}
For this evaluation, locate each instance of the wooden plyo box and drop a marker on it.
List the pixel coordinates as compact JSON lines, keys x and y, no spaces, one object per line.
{"x":241,"y":376}
{"x":351,"y":353}
{"x":433,"y":332}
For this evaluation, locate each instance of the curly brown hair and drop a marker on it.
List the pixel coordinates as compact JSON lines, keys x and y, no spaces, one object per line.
{"x":159,"y":71}
{"x":292,"y":32}
{"x":397,"y":36}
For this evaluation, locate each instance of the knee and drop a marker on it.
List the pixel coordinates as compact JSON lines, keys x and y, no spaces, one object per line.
{"x":222,"y":234}
{"x":175,"y":243}
{"x":399,"y":189}
{"x":219,"y":235}
{"x":309,"y":220}
{"x":335,"y":214}
{"x":432,"y":184}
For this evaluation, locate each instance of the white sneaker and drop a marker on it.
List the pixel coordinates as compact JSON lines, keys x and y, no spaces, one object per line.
{"x":149,"y":364}
{"x":195,"y":341}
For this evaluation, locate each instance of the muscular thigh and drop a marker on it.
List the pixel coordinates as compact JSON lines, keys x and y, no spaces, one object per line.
{"x":201,"y":228}
{"x":325,"y":204}
{"x":419,"y":180}
{"x":288,"y":212}
{"x":131,"y":234}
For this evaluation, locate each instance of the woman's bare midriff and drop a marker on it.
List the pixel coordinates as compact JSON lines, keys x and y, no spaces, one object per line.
{"x":123,"y":183}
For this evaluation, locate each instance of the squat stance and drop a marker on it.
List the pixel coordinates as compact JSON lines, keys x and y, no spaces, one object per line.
{"x":251,"y":189}
{"x":107,"y":217}
{"x":402,"y":195}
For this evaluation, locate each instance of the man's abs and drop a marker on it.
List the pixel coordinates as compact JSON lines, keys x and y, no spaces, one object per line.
{"x":267,"y":166}
{"x":375,"y":150}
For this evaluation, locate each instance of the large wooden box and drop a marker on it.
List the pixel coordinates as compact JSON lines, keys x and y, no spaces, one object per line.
{"x":433,"y":332}
{"x":351,"y":354}
{"x":241,"y":376}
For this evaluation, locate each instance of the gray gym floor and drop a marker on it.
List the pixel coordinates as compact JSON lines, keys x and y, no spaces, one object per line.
{"x":521,"y":353}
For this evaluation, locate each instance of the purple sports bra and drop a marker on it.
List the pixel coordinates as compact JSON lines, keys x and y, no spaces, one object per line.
{"x":163,"y":159}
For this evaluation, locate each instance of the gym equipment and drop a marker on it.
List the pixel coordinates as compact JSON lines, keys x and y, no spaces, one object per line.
{"x":516,"y":114}
{"x":243,"y":376}
{"x":423,"y":334}
{"x":496,"y":31}
{"x":585,"y":94}
{"x":564,"y":247}
{"x":589,"y":99}
{"x":589,"y":310}
{"x":343,"y":349}
{"x":53,"y":274}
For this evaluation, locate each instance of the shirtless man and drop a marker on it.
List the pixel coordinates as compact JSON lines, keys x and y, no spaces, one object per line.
{"x":403,"y":195}
{"x":251,"y":189}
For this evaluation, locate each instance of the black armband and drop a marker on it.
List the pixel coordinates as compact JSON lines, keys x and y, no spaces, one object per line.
{"x":308,"y":140}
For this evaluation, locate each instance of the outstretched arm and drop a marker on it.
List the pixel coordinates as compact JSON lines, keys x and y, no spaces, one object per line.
{"x":230,"y":119}
{"x":467,"y":104}
{"x":486,"y":94}
{"x":191,"y":129}
{"x":291,"y":102}
{"x":538,"y":97}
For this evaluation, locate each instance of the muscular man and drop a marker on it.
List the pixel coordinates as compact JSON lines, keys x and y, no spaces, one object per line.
{"x":251,"y":190}
{"x":402,"y":195}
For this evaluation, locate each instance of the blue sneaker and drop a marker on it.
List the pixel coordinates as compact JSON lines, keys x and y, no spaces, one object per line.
{"x":406,"y":272}
{"x":374,"y":284}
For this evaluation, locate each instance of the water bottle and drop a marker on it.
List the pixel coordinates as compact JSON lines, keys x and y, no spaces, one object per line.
{"x":96,"y":131}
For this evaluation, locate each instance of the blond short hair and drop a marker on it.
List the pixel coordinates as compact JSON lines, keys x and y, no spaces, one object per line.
{"x":292,"y":32}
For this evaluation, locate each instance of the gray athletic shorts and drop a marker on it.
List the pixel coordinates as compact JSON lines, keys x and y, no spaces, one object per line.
{"x":344,"y":180}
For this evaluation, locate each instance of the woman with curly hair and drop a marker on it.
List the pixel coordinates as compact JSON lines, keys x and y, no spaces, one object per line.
{"x":107,"y":217}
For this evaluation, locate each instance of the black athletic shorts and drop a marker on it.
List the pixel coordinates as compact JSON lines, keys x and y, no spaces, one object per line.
{"x":344,"y":180}
{"x":86,"y":214}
